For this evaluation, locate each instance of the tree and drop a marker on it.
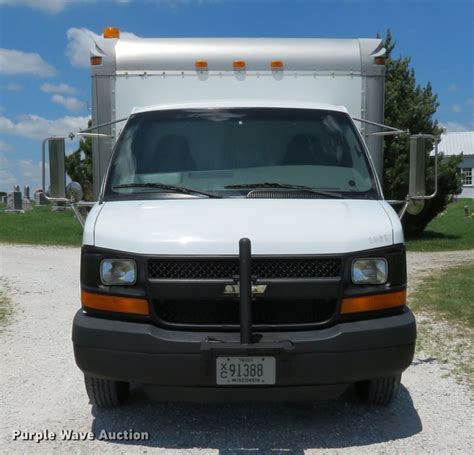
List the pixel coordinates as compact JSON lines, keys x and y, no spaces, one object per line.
{"x":410,"y":106}
{"x":79,"y":166}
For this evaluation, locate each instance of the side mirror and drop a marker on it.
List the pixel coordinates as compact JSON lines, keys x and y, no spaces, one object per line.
{"x":417,"y":179}
{"x":417,"y":166}
{"x":57,"y":171}
{"x":74,"y":191}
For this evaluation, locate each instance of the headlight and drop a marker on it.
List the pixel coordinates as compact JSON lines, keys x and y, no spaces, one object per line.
{"x":369,"y":271}
{"x":120,"y":272}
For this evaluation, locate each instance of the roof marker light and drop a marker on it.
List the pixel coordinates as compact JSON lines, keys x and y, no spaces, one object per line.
{"x":201,"y":65}
{"x":111,"y":32}
{"x":276,"y":64}
{"x":96,"y":60}
{"x":239,"y":64}
{"x":380,"y":60}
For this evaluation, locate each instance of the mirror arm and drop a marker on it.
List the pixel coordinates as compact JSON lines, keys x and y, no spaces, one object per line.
{"x":80,"y":217}
{"x":96,"y":127}
{"x":391,"y":131}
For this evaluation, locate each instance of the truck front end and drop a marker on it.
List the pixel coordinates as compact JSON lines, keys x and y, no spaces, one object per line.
{"x":242,"y":251}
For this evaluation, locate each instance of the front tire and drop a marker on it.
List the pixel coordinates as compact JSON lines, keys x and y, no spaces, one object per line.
{"x":105,"y":393}
{"x":379,"y":391}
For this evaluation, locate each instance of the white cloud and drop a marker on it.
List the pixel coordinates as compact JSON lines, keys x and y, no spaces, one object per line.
{"x":57,"y":6}
{"x":11,"y":87}
{"x":80,"y":43}
{"x":7,"y":179}
{"x":20,"y":172}
{"x":453,"y":127}
{"x":4,"y":147}
{"x":452,"y":88}
{"x":52,"y":6}
{"x":18,"y":62}
{"x":35,"y":127}
{"x":456,"y":108}
{"x":69,"y":102}
{"x":58,"y":88}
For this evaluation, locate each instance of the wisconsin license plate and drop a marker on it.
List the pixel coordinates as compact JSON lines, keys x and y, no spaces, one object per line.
{"x":245,"y":370}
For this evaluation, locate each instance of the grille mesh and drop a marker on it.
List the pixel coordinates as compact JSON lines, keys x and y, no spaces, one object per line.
{"x":226,"y":313}
{"x":226,"y":268}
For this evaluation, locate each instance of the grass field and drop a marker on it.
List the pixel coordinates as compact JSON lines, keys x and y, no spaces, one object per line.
{"x":448,"y":231}
{"x":451,"y":294}
{"x":446,"y":328}
{"x":41,"y":226}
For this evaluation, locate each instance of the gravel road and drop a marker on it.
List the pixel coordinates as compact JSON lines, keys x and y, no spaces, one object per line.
{"x":42,"y":390}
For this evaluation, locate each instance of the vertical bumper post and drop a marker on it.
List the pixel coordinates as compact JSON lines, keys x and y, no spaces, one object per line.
{"x":245,"y":257}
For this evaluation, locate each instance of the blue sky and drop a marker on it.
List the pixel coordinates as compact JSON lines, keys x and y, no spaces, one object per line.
{"x":44,"y":76}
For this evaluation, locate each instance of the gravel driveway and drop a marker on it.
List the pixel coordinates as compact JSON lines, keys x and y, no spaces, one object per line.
{"x":41,"y":388}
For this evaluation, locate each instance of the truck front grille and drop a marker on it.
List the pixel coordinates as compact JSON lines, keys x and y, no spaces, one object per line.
{"x":196,"y":314}
{"x":228,"y":268}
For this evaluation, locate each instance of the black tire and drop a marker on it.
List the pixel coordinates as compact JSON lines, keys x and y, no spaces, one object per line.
{"x":105,"y":393}
{"x":379,"y":391}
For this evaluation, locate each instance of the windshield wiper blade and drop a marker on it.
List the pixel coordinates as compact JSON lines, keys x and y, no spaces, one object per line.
{"x":289,"y":186}
{"x":163,"y":186}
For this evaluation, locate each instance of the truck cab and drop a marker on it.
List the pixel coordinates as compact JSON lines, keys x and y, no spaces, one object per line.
{"x":240,"y":247}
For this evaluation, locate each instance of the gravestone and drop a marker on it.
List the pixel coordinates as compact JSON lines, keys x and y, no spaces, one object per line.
{"x":26,"y":192}
{"x":40,"y":198}
{"x":14,"y":201}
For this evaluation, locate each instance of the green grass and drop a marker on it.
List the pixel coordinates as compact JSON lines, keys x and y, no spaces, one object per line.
{"x":451,"y":293}
{"x":40,"y":226}
{"x":448,"y":231}
{"x":447,"y":303}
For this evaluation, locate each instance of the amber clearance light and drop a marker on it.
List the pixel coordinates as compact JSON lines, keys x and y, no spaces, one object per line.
{"x":239,"y":64}
{"x":114,"y":303}
{"x":111,"y":32}
{"x":373,"y":302}
{"x":96,"y":60}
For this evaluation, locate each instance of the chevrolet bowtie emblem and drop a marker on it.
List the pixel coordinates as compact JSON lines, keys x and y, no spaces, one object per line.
{"x":234,"y":289}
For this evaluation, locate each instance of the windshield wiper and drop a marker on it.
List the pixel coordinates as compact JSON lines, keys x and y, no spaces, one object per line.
{"x":289,"y":186}
{"x":163,"y":186}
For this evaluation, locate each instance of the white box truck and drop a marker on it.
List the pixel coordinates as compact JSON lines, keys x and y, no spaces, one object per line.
{"x":240,"y":247}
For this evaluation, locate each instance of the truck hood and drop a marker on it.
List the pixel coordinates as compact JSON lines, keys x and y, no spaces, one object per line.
{"x":198,"y":226}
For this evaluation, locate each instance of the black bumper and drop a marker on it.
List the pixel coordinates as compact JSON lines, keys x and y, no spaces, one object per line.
{"x":338,"y":355}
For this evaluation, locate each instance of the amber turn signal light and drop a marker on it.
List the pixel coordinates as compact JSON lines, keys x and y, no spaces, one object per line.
{"x":117,"y":304}
{"x":373,"y":302}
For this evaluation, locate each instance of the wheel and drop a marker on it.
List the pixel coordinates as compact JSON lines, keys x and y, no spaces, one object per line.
{"x":379,"y":391}
{"x":105,"y":393}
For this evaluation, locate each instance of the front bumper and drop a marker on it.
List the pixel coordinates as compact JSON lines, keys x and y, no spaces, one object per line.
{"x":338,"y":355}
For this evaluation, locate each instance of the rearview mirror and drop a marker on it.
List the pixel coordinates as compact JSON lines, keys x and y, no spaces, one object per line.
{"x":417,"y":166}
{"x":74,"y":191}
{"x":417,"y":179}
{"x":57,"y":171}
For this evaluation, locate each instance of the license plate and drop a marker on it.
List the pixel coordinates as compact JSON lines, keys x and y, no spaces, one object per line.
{"x":245,"y":370}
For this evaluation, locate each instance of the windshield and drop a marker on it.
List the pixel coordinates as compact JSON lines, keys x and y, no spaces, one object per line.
{"x":230,"y":152}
